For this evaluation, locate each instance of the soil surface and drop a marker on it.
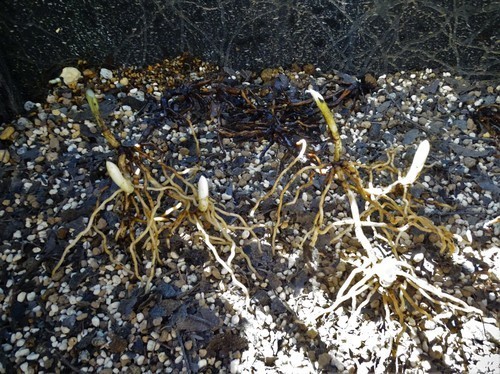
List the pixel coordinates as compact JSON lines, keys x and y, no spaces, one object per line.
{"x":239,"y":129}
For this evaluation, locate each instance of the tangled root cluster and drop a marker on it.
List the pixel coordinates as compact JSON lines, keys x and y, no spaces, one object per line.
{"x":389,"y":215}
{"x":154,"y":200}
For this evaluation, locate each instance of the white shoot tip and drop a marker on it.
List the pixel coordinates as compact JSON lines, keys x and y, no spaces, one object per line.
{"x":418,"y":163}
{"x":202,"y":194}
{"x":117,"y":177}
{"x":315,"y":94}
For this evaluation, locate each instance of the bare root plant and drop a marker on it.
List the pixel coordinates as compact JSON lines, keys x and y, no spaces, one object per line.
{"x":153,"y":201}
{"x":389,"y":214}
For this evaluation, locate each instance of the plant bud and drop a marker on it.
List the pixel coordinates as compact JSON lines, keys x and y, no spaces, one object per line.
{"x":418,"y":163}
{"x":117,"y":176}
{"x":202,"y":194}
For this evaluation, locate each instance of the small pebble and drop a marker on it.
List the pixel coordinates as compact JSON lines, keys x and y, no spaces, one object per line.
{"x":151,"y":345}
{"x":436,"y":351}
{"x":95,"y":321}
{"x":324,"y":360}
{"x":234,"y":366}
{"x":22,"y":352}
{"x":32,"y":356}
{"x":418,"y":257}
{"x":235,"y":319}
{"x":21,"y":296}
{"x":106,"y":74}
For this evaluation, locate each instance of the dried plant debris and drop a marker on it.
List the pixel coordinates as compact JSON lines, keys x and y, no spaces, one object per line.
{"x":202,"y":321}
{"x":242,"y":228}
{"x":223,"y":344}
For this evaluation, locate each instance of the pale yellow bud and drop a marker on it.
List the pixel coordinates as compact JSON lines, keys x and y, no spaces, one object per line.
{"x":117,"y":177}
{"x":202,"y":194}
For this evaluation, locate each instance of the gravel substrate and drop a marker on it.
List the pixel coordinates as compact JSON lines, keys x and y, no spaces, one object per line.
{"x":95,"y":316}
